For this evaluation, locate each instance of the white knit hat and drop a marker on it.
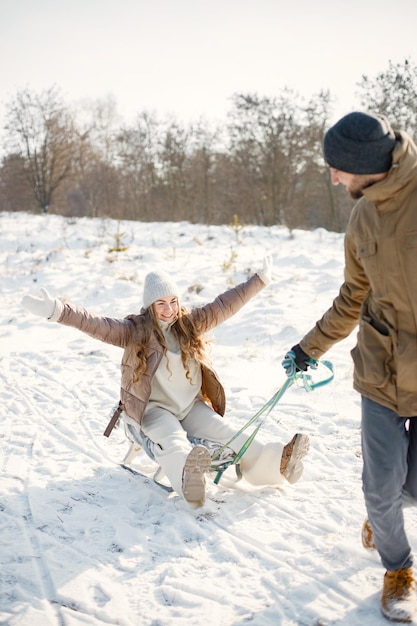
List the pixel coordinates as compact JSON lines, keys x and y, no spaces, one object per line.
{"x":158,"y":285}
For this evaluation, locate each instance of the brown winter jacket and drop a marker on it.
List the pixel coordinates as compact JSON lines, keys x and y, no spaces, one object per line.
{"x":126,"y":333}
{"x":380,"y":288}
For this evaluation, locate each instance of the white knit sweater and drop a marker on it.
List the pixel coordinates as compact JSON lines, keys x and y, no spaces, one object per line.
{"x":171,"y":389}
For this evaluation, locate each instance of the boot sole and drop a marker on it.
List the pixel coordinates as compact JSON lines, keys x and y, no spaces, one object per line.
{"x":299,"y":451}
{"x":197,"y":463}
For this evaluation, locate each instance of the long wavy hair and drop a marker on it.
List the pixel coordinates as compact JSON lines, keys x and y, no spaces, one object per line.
{"x":193,"y":344}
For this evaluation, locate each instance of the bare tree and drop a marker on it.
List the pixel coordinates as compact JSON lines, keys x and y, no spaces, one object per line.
{"x":40,"y":130}
{"x":174,"y":152}
{"x":138,"y":152}
{"x":96,"y":184}
{"x":313,"y":199}
{"x":264,"y":143}
{"x":15,"y":190}
{"x":200,"y":171}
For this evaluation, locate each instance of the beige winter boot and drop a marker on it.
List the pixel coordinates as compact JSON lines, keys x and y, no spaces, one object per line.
{"x":197,"y":463}
{"x":293,"y":452}
{"x":398,"y":602}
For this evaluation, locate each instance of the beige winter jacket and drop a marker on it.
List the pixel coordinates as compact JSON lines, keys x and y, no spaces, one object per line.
{"x":126,"y":333}
{"x":380,"y":289}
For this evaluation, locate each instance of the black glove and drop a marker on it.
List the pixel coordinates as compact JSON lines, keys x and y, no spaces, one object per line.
{"x":300,"y":359}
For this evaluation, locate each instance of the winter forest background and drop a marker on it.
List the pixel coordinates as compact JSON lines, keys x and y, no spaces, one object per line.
{"x":263,"y":165}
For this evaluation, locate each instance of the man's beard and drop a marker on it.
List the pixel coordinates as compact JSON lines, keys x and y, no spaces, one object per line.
{"x":356,"y":192}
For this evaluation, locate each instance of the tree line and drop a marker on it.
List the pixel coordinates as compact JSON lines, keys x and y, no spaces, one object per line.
{"x":264,"y":164}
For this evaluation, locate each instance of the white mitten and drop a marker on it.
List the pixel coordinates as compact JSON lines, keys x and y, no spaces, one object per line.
{"x":265,"y":274}
{"x":44,"y":307}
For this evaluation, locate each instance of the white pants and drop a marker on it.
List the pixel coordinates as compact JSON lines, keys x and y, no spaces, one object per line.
{"x":260,"y":465}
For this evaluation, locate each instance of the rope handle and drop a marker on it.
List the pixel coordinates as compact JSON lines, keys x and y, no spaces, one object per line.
{"x":307,"y":379}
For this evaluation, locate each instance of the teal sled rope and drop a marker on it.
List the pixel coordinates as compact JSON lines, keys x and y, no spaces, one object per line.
{"x":294,"y":376}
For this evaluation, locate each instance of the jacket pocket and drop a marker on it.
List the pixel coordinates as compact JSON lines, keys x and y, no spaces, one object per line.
{"x":372,"y":356}
{"x":366,"y":249}
{"x":367,"y":254}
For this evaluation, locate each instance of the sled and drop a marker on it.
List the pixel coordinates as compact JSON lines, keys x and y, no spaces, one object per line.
{"x":221,"y":456}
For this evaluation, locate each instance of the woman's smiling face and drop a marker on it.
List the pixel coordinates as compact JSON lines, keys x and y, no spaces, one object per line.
{"x":166,"y":309}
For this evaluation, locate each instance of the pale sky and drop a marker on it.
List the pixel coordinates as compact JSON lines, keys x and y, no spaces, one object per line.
{"x":188,"y":57}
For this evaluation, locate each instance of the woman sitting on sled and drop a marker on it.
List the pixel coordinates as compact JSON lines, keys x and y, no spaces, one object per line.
{"x":168,"y":387}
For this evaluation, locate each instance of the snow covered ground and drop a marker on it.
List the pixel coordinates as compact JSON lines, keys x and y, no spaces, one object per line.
{"x":83,"y":541}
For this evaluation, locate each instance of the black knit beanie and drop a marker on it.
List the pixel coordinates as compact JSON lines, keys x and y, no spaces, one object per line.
{"x":360,"y":143}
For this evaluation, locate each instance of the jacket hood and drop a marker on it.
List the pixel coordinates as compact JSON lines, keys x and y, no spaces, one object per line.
{"x":389,"y":193}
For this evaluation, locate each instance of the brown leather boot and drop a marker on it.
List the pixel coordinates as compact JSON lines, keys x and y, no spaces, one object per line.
{"x":398,"y":602}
